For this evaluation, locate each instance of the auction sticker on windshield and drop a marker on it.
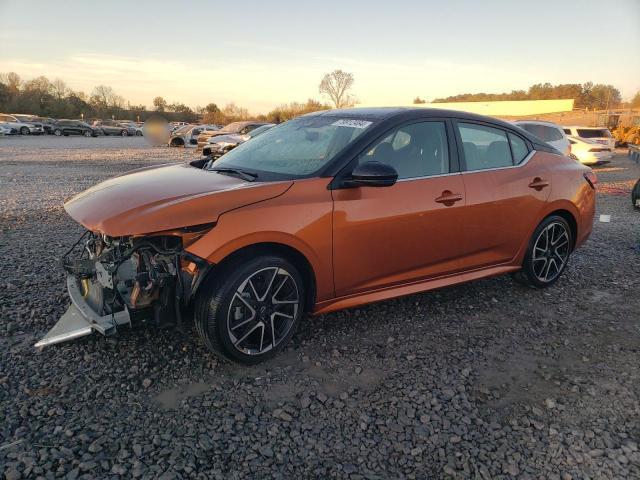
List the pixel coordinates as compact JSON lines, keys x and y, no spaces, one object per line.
{"x":345,"y":122}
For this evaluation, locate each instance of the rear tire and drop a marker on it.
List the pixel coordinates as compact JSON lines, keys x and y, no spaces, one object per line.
{"x":57,"y":132}
{"x":547,"y":254}
{"x":24,"y":131}
{"x":87,"y":133}
{"x":249,"y":310}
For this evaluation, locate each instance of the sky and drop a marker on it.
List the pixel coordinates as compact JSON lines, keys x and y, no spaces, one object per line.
{"x":260,"y":54}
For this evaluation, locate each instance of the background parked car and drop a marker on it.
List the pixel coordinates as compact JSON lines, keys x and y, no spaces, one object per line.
{"x":132,"y":128}
{"x":6,"y":129}
{"x":235,"y":127}
{"x":221,"y":144}
{"x":187,"y":136}
{"x":109,"y":127}
{"x":74,"y":127}
{"x":38,"y":122}
{"x":549,"y":132}
{"x":589,"y":152}
{"x":597,"y":134}
{"x":25,"y":128}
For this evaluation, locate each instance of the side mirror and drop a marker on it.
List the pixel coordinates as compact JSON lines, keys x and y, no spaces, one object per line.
{"x":373,"y":174}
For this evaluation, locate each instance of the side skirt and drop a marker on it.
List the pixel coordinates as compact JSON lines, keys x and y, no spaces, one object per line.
{"x":358,"y":299}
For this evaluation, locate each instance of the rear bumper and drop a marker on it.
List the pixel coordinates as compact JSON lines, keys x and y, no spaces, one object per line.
{"x":80,"y":319}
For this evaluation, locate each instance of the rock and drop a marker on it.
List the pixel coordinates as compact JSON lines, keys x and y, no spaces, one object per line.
{"x":266,"y":451}
{"x":12,"y":474}
{"x":146,"y":383}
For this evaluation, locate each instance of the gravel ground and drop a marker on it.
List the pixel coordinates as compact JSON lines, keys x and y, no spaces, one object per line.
{"x":484,"y":380}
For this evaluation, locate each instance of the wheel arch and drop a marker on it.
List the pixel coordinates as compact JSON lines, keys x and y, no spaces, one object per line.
{"x":571,"y":219}
{"x":288,"y":252}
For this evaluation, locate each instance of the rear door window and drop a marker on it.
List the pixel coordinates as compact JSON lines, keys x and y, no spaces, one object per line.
{"x":484,"y":147}
{"x":593,"y":133}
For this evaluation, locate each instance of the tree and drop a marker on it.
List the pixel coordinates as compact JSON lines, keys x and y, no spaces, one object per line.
{"x":294,"y":109}
{"x":211,"y":108}
{"x":59,"y":89}
{"x":160,"y":104}
{"x":12,"y":81}
{"x":418,"y":101}
{"x":635,"y":101}
{"x":336,"y":86}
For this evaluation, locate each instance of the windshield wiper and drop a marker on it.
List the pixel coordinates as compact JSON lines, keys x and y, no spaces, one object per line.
{"x":248,"y":176}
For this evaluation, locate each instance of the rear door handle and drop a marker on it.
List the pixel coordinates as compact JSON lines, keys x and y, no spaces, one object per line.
{"x":449,"y":198}
{"x":538,"y":184}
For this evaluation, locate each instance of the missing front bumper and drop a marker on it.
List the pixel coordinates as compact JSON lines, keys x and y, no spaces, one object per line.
{"x":80,"y":320}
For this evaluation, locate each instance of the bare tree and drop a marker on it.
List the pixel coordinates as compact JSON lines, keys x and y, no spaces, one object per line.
{"x":160,"y":104}
{"x":336,"y":85}
{"x":418,"y":101}
{"x":102,"y":96}
{"x":59,"y":89}
{"x":11,"y":80}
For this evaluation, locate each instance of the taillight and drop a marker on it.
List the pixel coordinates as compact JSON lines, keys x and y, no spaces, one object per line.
{"x":591,"y":179}
{"x":597,"y":149}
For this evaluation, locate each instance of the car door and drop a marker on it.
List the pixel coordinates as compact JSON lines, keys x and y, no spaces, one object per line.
{"x":408,"y":231}
{"x":506,"y":189}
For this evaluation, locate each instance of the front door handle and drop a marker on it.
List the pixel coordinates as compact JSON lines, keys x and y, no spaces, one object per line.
{"x":538,"y":184}
{"x":449,"y":198}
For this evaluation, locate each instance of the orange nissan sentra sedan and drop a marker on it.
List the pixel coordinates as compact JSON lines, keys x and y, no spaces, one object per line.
{"x":331,"y":210}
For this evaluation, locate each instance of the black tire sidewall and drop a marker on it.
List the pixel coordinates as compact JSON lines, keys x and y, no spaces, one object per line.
{"x":527,"y":265}
{"x":218,"y":295}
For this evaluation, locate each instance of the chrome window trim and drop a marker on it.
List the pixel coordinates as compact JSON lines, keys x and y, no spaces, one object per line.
{"x":428,"y":176}
{"x":521,"y":164}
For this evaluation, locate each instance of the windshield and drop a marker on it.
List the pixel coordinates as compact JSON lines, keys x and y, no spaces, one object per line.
{"x":232,"y":127}
{"x":182,"y":129}
{"x":296,"y":148}
{"x":594,"y":133}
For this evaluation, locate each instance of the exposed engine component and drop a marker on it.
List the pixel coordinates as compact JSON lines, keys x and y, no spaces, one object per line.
{"x":140,"y":275}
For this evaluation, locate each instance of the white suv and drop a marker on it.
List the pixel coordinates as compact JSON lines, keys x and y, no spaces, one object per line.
{"x":548,"y":132}
{"x":599,"y":135}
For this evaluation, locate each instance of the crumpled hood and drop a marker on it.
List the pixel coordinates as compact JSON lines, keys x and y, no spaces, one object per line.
{"x":163,"y":198}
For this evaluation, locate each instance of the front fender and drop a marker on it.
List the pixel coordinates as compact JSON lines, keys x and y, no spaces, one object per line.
{"x":300,"y":219}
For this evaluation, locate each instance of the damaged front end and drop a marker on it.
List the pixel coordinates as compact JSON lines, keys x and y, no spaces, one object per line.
{"x":116,"y":282}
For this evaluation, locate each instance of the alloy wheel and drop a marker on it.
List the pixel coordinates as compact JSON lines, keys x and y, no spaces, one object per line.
{"x":263,"y":310}
{"x":550,"y":252}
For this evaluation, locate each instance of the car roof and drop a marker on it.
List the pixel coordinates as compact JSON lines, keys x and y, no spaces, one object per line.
{"x":537,"y":122}
{"x":380,"y":113}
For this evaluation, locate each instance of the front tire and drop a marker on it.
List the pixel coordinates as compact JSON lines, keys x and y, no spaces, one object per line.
{"x":547,"y":254}
{"x":124,"y":133}
{"x":24,"y":131}
{"x":248,"y":311}
{"x":87,"y":133}
{"x":57,"y":132}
